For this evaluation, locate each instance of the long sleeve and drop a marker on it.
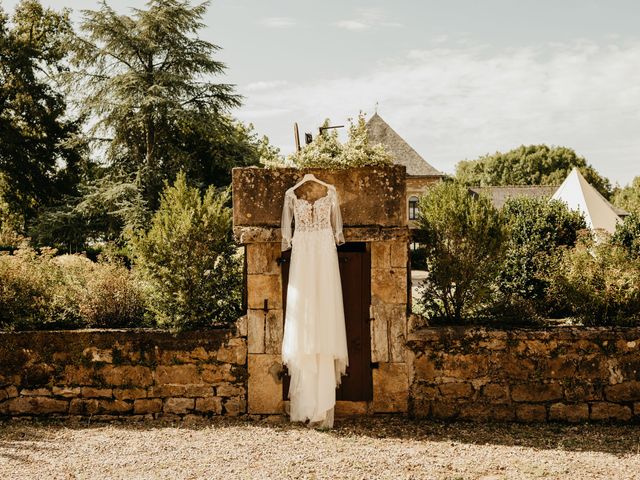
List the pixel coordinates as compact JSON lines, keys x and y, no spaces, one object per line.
{"x":285,"y":223}
{"x":336,"y":218}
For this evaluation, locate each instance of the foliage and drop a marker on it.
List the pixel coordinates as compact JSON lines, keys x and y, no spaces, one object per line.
{"x":600,"y":283}
{"x":145,"y":80}
{"x":529,"y":165}
{"x":326,"y":151}
{"x":463,"y":236}
{"x":628,"y":197}
{"x":189,"y":258}
{"x":627,"y":235}
{"x":40,"y":159}
{"x":43,"y":291}
{"x":537,"y":227}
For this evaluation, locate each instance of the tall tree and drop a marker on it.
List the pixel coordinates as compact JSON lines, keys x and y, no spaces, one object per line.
{"x":40,"y":160}
{"x":147,"y":80}
{"x":529,"y":165}
{"x":628,"y":197}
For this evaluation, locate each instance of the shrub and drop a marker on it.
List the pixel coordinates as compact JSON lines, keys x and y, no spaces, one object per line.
{"x":189,"y":259}
{"x":463,"y":237}
{"x":537,"y":228}
{"x":600,"y":283}
{"x":627,"y":235}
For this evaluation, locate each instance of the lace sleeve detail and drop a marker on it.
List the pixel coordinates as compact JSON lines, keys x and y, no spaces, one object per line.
{"x":336,"y":217}
{"x":285,"y":223}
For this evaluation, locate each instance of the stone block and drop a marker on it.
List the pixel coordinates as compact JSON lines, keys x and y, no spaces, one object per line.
{"x":561,"y":367}
{"x":531,"y":413}
{"x":95,"y":354}
{"x":68,"y":392}
{"x":36,"y":405}
{"x":456,"y":390}
{"x":581,"y":391}
{"x":209,"y":405}
{"x":483,"y":412}
{"x":494,"y":393}
{"x":536,"y":392}
{"x":623,"y":392}
{"x":166,"y":390}
{"x":127,"y":375}
{"x":609,"y":411}
{"x":217,"y":373}
{"x":512,"y":367}
{"x":178,"y":405}
{"x":255,"y":331}
{"x":381,"y":255}
{"x":444,"y":410}
{"x":264,"y":287}
{"x":228,"y":390}
{"x":177,"y":374}
{"x":265,"y":384}
{"x":389,"y":285}
{"x":465,"y":366}
{"x":274,"y":330}
{"x":390,"y":388}
{"x":262,"y":258}
{"x":345,"y":408}
{"x":241,"y":326}
{"x":233,"y":353}
{"x":573,"y":412}
{"x":379,"y":339}
{"x":395,"y":318}
{"x":399,"y":254}
{"x":77,"y":375}
{"x":235,"y":406}
{"x":84,"y":406}
{"x":143,"y":406}
{"x":198,"y":390}
{"x":425,"y":368}
{"x":129,"y":393}
{"x":11,"y":391}
{"x":114,"y":406}
{"x":91,"y":392}
{"x":35,"y":392}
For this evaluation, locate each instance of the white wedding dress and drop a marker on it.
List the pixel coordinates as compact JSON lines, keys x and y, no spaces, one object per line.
{"x":314,"y":346}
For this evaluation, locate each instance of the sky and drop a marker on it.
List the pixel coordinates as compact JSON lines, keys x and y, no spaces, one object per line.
{"x":457,"y":79}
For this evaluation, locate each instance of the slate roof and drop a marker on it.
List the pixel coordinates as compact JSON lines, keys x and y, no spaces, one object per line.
{"x":499,"y":195}
{"x":403,"y":154}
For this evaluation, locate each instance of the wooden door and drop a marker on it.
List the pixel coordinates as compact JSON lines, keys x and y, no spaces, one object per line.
{"x":355,"y":275}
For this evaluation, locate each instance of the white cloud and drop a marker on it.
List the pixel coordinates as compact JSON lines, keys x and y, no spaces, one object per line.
{"x":457,"y":103}
{"x":367,"y":18}
{"x":261,"y":86}
{"x":278,"y":22}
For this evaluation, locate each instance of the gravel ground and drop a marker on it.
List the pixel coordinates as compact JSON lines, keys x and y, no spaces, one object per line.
{"x":369,"y":447}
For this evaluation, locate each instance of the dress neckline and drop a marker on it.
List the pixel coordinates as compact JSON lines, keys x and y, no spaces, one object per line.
{"x":307,"y":201}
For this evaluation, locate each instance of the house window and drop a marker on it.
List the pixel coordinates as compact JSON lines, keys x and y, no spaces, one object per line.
{"x":413,"y":208}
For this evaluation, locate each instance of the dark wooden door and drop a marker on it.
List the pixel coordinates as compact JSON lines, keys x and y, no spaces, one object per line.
{"x":355,"y":275}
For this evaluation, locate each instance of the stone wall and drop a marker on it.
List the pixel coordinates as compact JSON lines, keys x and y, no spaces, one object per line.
{"x":108,"y":374}
{"x":562,"y":374}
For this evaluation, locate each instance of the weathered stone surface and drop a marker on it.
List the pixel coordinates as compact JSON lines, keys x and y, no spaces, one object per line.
{"x":609,"y":411}
{"x":114,"y":406}
{"x":126,"y":375}
{"x":574,"y":412}
{"x":346,"y":409}
{"x":379,"y":331}
{"x":623,"y":392}
{"x":390,"y":388}
{"x":176,"y":374}
{"x":274,"y":330}
{"x":391,"y":320}
{"x":228,"y":390}
{"x":69,"y":392}
{"x":580,"y":391}
{"x":241,"y":326}
{"x":234,"y":352}
{"x":35,"y":392}
{"x":81,"y":406}
{"x":540,"y":392}
{"x":465,"y":366}
{"x":562,"y":367}
{"x":425,"y":368}
{"x":255,"y":331}
{"x":36,"y":405}
{"x":178,"y":405}
{"x":91,"y":392}
{"x":217,"y":373}
{"x":262,"y":258}
{"x":77,"y":375}
{"x":381,"y":255}
{"x":129,"y":393}
{"x":482,"y":412}
{"x":234,"y":406}
{"x":265,"y":384}
{"x":166,"y":390}
{"x":143,"y":406}
{"x":494,"y":393}
{"x":368,"y":195}
{"x":399,"y":253}
{"x":209,"y":405}
{"x":388,"y":285}
{"x":456,"y":390}
{"x":200,"y":390}
{"x":11,"y":391}
{"x":531,"y":413}
{"x":264,"y":287}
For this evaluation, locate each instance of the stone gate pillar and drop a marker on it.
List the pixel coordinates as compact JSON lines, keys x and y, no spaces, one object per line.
{"x":373,"y":207}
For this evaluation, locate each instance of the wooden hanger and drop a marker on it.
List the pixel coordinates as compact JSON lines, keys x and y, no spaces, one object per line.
{"x":310,"y":177}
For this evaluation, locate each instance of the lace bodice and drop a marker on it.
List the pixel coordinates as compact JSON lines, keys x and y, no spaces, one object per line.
{"x":321,"y":214}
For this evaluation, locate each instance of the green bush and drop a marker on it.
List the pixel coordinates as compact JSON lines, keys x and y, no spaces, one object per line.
{"x":40,"y":291}
{"x":537,"y":228}
{"x":600,"y":283}
{"x":189,"y":259}
{"x":463,"y":237}
{"x":627,"y":235}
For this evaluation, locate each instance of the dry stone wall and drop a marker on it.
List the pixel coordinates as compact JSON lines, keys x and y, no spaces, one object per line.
{"x":562,"y":374}
{"x":110,"y":374}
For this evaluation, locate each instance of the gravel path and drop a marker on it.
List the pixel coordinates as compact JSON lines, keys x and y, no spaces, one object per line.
{"x":379,"y":447}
